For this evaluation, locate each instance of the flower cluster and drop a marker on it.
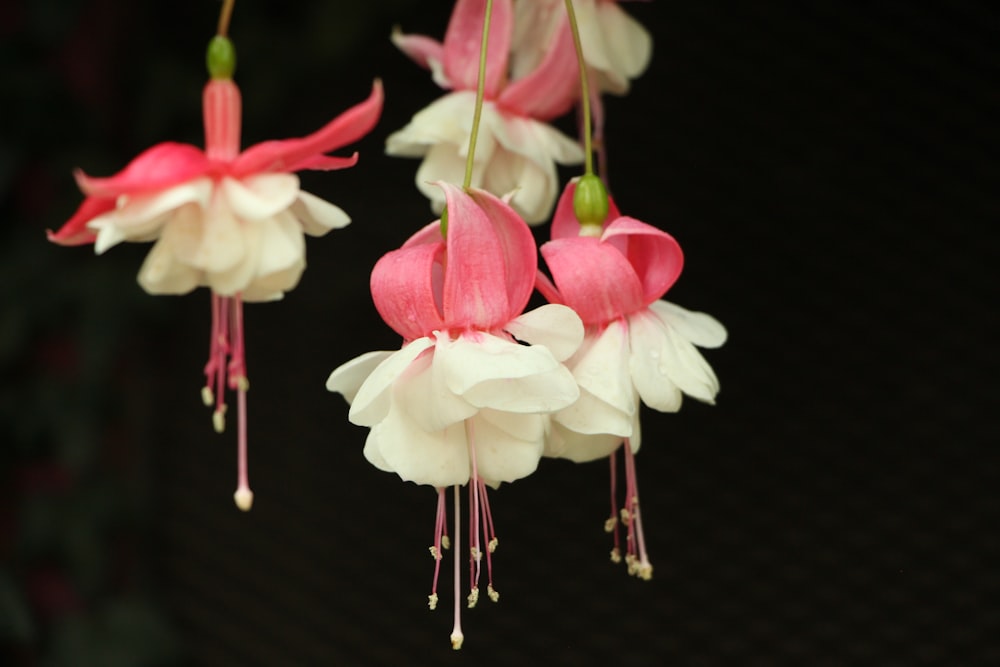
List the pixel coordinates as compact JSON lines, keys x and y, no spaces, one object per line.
{"x":479,"y":390}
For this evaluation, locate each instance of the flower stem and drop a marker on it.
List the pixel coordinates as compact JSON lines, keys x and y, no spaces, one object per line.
{"x":584,"y":90}
{"x":224,"y":16}
{"x":480,"y":94}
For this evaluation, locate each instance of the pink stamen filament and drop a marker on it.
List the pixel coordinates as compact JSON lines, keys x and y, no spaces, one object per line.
{"x":440,"y":537}
{"x":611,"y":525}
{"x":475,"y":550}
{"x":226,"y":367}
{"x":637,"y":558}
{"x":456,"y":633}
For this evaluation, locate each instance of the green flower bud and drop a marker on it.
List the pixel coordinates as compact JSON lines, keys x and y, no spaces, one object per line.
{"x":590,"y":201}
{"x":221,"y":58}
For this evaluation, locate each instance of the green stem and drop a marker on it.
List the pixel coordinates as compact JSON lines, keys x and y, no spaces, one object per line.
{"x":224,"y":16}
{"x":584,"y":90}
{"x":480,"y":94}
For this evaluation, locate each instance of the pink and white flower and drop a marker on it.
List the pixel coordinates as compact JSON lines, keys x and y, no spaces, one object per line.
{"x":517,"y":149}
{"x":637,"y":346}
{"x":464,"y":401}
{"x":228,"y":220}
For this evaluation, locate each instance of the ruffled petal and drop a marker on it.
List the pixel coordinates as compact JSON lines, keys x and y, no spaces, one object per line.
{"x":347,"y":378}
{"x":260,"y":196}
{"x":296,"y":154}
{"x":700,"y":328}
{"x":372,"y":400}
{"x":422,"y":393}
{"x":223,"y":241}
{"x":161,"y":166}
{"x":579,"y":447}
{"x":491,"y":372}
{"x":524,"y":426}
{"x":162,"y":272}
{"x":601,"y":367}
{"x":648,"y":361}
{"x":447,"y":119}
{"x":442,"y":164}
{"x":628,"y":44}
{"x":500,"y":456}
{"x":318,"y":216}
{"x":555,"y":327}
{"x":592,"y":416}
{"x":654,"y":255}
{"x":688,"y":369}
{"x":438,"y":459}
{"x":463,"y":41}
{"x":141,"y":215}
{"x":274,"y":285}
{"x":403,"y":289}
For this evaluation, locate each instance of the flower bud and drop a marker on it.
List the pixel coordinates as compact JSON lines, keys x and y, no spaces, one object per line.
{"x":590,"y":201}
{"x":221,"y":58}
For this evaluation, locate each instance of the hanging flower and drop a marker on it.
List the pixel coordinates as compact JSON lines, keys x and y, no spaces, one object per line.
{"x":616,"y":47}
{"x":228,"y":220}
{"x":517,"y":149}
{"x":464,"y":401}
{"x":636,"y":345}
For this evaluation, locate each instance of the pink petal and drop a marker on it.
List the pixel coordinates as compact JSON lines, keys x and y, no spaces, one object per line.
{"x":553,"y":87}
{"x":463,"y":41}
{"x":158,"y":167}
{"x":403,"y":289}
{"x":564,"y":222}
{"x":327,"y":163}
{"x":654,"y":255}
{"x":307,"y":152}
{"x":75,"y":231}
{"x":518,"y":244}
{"x":421,"y":49}
{"x":475,"y":294}
{"x":431,"y":233}
{"x":594,"y":279}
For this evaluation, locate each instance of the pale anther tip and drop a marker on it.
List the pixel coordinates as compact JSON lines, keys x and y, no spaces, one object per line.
{"x":432,"y":601}
{"x":244,"y":499}
{"x":207,"y":397}
{"x":219,"y":421}
{"x":456,"y":641}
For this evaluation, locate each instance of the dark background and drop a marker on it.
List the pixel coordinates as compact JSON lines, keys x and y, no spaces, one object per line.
{"x":830,"y":170}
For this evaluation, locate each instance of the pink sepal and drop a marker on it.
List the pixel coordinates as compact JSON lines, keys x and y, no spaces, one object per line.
{"x":463,"y":40}
{"x":553,"y":87}
{"x":420,"y":48}
{"x":75,"y":231}
{"x":593,"y":278}
{"x":295,"y":154}
{"x":403,"y":285}
{"x":158,"y":167}
{"x":655,"y":255}
{"x":564,"y":222}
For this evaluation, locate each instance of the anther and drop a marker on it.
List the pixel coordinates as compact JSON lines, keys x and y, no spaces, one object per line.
{"x":244,"y":499}
{"x":610,"y":523}
{"x":445,"y":542}
{"x":207,"y":397}
{"x":242,"y":383}
{"x":493,"y":544}
{"x":616,"y":555}
{"x":434,"y":553}
{"x":473,"y":597}
{"x":432,"y":601}
{"x":494,"y":596}
{"x":219,"y":419}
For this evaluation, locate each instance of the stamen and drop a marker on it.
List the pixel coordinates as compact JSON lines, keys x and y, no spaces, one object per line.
{"x":611,"y":524}
{"x":456,"y":633}
{"x":637,"y":559}
{"x":439,"y":542}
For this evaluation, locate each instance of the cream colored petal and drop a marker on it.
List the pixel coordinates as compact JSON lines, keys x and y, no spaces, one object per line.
{"x":421,"y":393}
{"x":601,"y":367}
{"x":553,"y":326}
{"x":281,"y":244}
{"x":649,"y":363}
{"x":318,"y":216}
{"x":238,"y":276}
{"x":438,"y":459}
{"x":371,"y":402}
{"x":161,"y":273}
{"x":501,"y":457}
{"x":140,"y":215}
{"x":347,"y":378}
{"x":628,"y":44}
{"x":700,"y":328}
{"x":259,"y":197}
{"x":579,"y":447}
{"x":688,"y":369}
{"x":592,"y":416}
{"x":273,"y":286}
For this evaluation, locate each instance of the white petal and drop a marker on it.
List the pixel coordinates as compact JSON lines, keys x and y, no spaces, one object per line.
{"x":373,"y":452}
{"x":273,"y":286}
{"x":553,"y":326}
{"x":578,"y":447}
{"x":108,"y":233}
{"x":161,"y":273}
{"x":261,"y":196}
{"x":601,"y":367}
{"x":443,"y":163}
{"x":440,"y":458}
{"x":318,"y":216}
{"x":347,"y":378}
{"x":519,"y":425}
{"x":281,"y":244}
{"x":590,"y":415}
{"x":501,"y":457}
{"x":628,"y":43}
{"x":489,"y":371}
{"x":446,"y":120}
{"x":236,"y":278}
{"x":372,"y":400}
{"x":422,"y":394}
{"x":650,"y":352}
{"x":140,"y":217}
{"x":700,"y":328}
{"x":688,"y":369}
{"x":220,"y":245}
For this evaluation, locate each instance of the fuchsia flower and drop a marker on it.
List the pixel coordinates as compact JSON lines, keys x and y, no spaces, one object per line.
{"x":516,"y":149}
{"x":228,"y":220}
{"x":463,"y":401}
{"x":636,"y":345}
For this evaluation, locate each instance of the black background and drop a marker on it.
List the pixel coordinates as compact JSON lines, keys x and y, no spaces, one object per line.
{"x":830,"y":170}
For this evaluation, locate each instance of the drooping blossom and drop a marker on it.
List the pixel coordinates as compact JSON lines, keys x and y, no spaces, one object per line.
{"x":464,"y":401}
{"x":637,"y":346}
{"x":224,"y":219}
{"x":517,"y":149}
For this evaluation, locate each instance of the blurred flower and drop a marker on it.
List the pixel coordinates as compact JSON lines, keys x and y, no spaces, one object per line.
{"x":516,"y":148}
{"x":463,"y":401}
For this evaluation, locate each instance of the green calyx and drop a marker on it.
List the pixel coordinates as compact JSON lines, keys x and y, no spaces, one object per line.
{"x":590,"y":201}
{"x":221,"y":58}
